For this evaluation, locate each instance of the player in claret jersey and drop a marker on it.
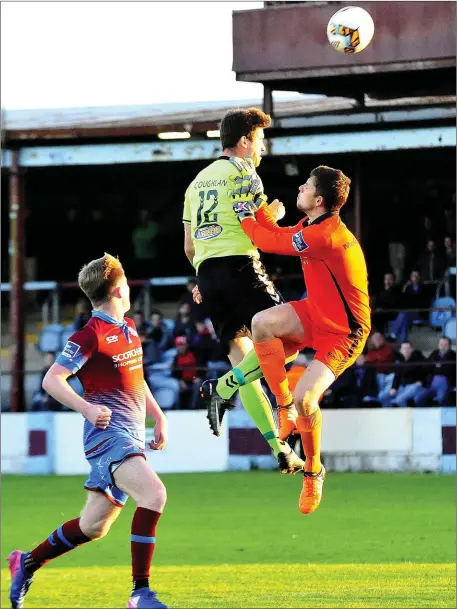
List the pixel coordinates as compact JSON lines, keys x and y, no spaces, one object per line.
{"x":106,"y":355}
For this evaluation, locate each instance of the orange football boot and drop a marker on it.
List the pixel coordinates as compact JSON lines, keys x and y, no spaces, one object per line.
{"x":311,"y":494}
{"x":287,"y":420}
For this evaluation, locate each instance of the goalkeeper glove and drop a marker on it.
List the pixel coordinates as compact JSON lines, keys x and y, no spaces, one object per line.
{"x":247,"y":198}
{"x":242,"y":182}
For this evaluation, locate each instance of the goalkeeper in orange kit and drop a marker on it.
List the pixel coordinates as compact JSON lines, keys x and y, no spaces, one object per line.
{"x":334,"y":319}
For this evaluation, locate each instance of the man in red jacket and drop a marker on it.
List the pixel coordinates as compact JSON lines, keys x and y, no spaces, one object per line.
{"x":185,"y":371}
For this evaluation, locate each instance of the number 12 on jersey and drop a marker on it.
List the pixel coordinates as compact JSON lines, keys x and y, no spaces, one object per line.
{"x":210,"y":195}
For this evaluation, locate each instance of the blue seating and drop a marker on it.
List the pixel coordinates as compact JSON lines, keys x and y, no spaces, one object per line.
{"x":169,"y":323}
{"x":438,"y":319}
{"x":50,"y":339}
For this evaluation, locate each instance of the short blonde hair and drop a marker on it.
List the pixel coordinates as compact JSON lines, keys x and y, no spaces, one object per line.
{"x":97,"y":278}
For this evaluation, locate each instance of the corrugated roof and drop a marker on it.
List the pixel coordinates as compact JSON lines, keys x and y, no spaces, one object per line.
{"x":74,"y":122}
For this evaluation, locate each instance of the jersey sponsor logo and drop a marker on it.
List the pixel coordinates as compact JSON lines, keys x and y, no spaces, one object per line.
{"x":121,"y":357}
{"x":299,"y":243}
{"x":208,"y":231}
{"x":112,"y":339}
{"x":71,"y":349}
{"x":129,"y":358}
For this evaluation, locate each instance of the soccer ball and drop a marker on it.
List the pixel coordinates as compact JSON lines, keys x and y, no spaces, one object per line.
{"x":350,"y":30}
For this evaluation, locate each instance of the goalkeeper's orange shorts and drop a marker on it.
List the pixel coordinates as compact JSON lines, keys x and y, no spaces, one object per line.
{"x":336,"y":350}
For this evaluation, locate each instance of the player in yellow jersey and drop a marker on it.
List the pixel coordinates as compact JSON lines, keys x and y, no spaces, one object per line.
{"x":232,"y":280}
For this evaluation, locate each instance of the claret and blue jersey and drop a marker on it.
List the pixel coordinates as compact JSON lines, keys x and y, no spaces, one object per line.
{"x":107,"y":357}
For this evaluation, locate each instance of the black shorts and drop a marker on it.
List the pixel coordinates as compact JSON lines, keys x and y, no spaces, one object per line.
{"x":234,"y":289}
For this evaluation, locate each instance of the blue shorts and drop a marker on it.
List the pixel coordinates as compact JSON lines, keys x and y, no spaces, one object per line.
{"x":104,"y":458}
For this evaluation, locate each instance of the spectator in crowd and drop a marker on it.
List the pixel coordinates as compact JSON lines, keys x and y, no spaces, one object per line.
{"x":203,"y":345}
{"x":431,"y":263}
{"x":449,"y":251}
{"x":161,"y":333}
{"x":414,"y":297}
{"x":381,"y":356}
{"x":82,"y":314}
{"x":151,"y":348}
{"x":185,"y":324}
{"x":409,"y":377}
{"x":197,"y":311}
{"x":144,"y":239}
{"x":441,"y":379}
{"x":141,"y":324}
{"x":156,"y":370}
{"x":390,"y":297}
{"x":185,"y":371}
{"x":365,"y":383}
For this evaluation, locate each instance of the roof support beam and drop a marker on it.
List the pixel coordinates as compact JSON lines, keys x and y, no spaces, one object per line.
{"x":323,"y":143}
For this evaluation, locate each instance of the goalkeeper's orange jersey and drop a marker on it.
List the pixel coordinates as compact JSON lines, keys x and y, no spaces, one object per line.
{"x":333,"y":265}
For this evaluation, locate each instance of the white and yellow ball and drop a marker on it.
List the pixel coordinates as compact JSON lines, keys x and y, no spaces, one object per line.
{"x":350,"y":30}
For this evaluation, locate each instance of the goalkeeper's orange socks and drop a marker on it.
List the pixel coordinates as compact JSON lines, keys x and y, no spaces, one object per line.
{"x":247,"y":371}
{"x":310,"y":429}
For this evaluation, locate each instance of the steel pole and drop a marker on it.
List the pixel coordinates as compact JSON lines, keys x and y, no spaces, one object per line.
{"x":16,"y":254}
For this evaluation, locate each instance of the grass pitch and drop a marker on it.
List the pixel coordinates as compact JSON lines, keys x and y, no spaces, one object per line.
{"x":237,"y":540}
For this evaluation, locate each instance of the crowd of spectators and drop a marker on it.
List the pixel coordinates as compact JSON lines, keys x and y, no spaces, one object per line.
{"x":387,"y":377}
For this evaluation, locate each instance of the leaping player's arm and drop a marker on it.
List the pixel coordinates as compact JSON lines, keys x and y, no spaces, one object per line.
{"x":189,"y":244}
{"x":310,"y":241}
{"x":77,"y":351}
{"x":266,"y":219}
{"x":189,"y":248}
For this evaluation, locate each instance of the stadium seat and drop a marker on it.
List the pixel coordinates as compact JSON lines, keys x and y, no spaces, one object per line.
{"x":166,"y":398}
{"x":31,"y":384}
{"x":50,"y":339}
{"x":169,"y":355}
{"x":438,"y":319}
{"x":449,"y":329}
{"x":169,"y":323}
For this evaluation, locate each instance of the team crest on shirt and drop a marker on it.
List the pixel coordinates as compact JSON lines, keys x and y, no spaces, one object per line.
{"x":132,"y":331}
{"x":70,"y":349}
{"x":208,"y":231}
{"x":299,"y":243}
